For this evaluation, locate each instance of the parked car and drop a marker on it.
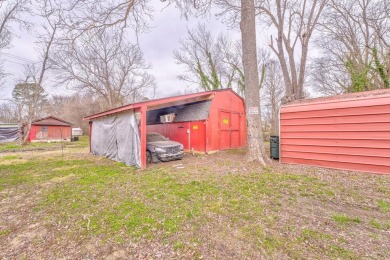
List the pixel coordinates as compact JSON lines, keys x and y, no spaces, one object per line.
{"x":160,"y":148}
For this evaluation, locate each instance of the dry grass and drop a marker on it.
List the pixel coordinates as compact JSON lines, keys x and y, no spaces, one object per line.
{"x":217,"y":206}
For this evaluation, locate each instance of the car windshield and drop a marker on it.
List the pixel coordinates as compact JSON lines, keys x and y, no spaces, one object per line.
{"x":155,"y":137}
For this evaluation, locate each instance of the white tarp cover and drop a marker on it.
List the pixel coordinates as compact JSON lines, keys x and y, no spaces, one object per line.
{"x":117,"y":137}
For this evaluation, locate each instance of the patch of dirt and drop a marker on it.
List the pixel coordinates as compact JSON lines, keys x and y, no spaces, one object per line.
{"x":56,"y":180}
{"x":227,"y":162}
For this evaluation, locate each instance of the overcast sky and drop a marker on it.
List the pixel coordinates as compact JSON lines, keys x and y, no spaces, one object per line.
{"x":158,"y":45}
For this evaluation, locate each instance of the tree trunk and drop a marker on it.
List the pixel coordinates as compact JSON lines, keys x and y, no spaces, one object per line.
{"x":252,"y":92}
{"x":274,"y":113}
{"x":20,"y":132}
{"x":26,"y":133}
{"x":302,"y":68}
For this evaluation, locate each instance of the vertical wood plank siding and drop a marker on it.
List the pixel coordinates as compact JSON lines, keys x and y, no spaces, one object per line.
{"x":350,"y":133}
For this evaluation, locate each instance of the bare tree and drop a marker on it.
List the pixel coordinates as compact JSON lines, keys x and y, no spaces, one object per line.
{"x":47,"y":38}
{"x":73,"y":108}
{"x":294,"y":22}
{"x":256,"y":151}
{"x":32,"y":90}
{"x":214,"y":62}
{"x":272,"y":94}
{"x":8,"y":112}
{"x":91,"y":61}
{"x":328,"y":76}
{"x":252,"y":93}
{"x":231,"y":53}
{"x":83,"y":16}
{"x":201,"y":58}
{"x":355,"y":43}
{"x":105,"y":64}
{"x":211,"y":62}
{"x":29,"y":99}
{"x":12,"y":13}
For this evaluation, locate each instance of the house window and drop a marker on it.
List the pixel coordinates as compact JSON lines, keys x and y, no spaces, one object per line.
{"x":44,"y":128}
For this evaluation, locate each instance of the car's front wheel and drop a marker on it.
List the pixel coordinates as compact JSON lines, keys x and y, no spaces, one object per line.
{"x":149,"y":157}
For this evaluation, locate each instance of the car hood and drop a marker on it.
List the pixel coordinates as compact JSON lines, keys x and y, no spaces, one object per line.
{"x":164,"y":144}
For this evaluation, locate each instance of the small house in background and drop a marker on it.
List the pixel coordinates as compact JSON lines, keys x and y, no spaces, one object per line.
{"x":50,"y":129}
{"x":9,"y":132}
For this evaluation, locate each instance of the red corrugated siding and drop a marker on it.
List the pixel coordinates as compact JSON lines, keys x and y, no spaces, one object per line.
{"x":351,"y":111}
{"x":53,"y":133}
{"x":213,"y":134}
{"x":198,"y":136}
{"x":178,"y":132}
{"x":363,"y":143}
{"x":232,"y":107}
{"x":32,"y":133}
{"x":351,"y":134}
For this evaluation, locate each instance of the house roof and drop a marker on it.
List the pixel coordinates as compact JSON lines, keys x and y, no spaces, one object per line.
{"x":51,"y":120}
{"x":161,"y":103}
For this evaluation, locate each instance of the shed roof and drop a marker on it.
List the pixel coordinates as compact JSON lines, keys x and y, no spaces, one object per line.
{"x":162,"y":103}
{"x":51,"y":120}
{"x":340,"y":98}
{"x":361,"y":99}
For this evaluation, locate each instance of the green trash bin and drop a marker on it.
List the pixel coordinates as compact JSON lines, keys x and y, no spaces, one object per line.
{"x":274,"y":147}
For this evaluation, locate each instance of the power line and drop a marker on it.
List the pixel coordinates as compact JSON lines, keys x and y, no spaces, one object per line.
{"x":18,"y":57}
{"x":14,"y":62}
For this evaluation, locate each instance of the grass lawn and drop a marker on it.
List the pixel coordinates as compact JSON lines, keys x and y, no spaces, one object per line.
{"x":78,"y":205}
{"x":15,"y":147}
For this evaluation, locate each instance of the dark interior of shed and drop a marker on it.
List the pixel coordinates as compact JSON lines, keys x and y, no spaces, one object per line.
{"x":183,"y":113}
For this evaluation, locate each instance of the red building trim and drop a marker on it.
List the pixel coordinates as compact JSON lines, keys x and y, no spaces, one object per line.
{"x":170,"y":101}
{"x":143,"y":136}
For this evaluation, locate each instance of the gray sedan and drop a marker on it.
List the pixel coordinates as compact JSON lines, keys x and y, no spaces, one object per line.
{"x":160,"y":148}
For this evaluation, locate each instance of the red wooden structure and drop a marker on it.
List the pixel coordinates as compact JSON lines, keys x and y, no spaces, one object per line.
{"x":50,"y":129}
{"x":204,"y":122}
{"x":350,"y":131}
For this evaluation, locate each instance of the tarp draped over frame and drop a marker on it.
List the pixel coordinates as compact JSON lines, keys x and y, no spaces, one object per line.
{"x":117,"y":137}
{"x":8,"y":134}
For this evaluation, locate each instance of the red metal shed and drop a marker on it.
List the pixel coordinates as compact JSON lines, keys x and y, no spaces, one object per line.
{"x":50,"y":129}
{"x":350,"y":131}
{"x":204,"y":122}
